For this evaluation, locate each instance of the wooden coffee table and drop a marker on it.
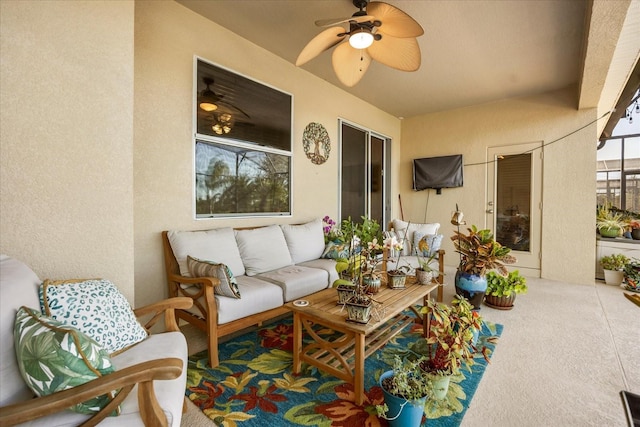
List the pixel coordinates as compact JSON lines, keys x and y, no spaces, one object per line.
{"x":344,"y":357}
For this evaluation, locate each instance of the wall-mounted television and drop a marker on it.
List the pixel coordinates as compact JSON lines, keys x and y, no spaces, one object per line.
{"x":437,"y":172}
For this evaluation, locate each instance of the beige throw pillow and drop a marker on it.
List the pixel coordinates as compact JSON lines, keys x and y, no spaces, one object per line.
{"x":228,"y":286}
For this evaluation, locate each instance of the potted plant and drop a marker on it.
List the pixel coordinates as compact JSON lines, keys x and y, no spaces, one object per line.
{"x":405,"y":390}
{"x":424,"y":272}
{"x":450,"y":341}
{"x":363,"y":257}
{"x":502,"y":290}
{"x":608,"y":222}
{"x":632,"y":275}
{"x":479,"y":252}
{"x":613,"y":266}
{"x":634,"y":224}
{"x":397,"y":277}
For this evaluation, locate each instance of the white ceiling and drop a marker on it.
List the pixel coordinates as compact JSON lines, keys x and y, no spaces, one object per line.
{"x":473,"y":51}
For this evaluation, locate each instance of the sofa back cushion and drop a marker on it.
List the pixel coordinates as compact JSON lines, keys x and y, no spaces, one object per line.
{"x":217,"y":245}
{"x":405,"y":230}
{"x":18,"y":287}
{"x":305,"y":241}
{"x":263,"y":249}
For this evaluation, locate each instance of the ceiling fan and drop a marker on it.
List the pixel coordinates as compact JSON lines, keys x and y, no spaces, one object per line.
{"x":209,"y":101}
{"x":378,"y":31}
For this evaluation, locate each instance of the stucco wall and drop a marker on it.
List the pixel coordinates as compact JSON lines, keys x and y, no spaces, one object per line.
{"x":66,"y":138}
{"x":568,"y":195}
{"x":167,"y":36}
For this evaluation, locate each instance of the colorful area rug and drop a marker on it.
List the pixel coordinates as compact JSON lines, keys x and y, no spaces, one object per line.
{"x":254,"y":384}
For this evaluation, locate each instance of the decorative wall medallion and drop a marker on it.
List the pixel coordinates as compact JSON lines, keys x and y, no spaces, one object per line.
{"x":317,"y":144}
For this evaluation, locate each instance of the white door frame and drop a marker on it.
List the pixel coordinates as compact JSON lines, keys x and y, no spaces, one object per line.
{"x":529,"y":262}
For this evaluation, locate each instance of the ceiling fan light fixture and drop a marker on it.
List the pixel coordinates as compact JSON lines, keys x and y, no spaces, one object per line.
{"x":360,"y":39}
{"x":208,"y":106}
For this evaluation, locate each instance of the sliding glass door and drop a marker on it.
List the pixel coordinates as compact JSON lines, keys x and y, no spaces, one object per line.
{"x":364,"y":189}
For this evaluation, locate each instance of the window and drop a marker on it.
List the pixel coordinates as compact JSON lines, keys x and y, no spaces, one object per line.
{"x":618,"y":173}
{"x":242,"y":146}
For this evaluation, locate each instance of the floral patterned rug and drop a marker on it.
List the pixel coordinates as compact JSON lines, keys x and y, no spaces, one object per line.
{"x":254,"y":384}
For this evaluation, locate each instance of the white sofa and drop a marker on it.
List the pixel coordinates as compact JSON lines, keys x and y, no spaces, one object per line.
{"x":272,"y":265}
{"x":153,"y":369}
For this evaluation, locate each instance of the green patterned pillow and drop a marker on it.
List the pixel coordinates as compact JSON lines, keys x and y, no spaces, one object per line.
{"x":53,"y":357}
{"x":95,"y":307}
{"x":228,"y":285}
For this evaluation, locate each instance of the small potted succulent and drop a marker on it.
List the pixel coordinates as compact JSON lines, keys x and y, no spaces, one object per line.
{"x":405,"y":389}
{"x":613,"y":266}
{"x":502,"y":290}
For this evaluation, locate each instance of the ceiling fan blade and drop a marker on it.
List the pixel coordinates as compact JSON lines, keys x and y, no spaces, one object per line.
{"x":399,"y":53}
{"x":350,"y":64}
{"x":323,"y":41}
{"x":395,"y":22}
{"x":336,"y":21}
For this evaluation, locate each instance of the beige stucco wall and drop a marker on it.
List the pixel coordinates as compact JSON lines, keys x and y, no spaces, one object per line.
{"x":568,"y":239}
{"x":167,"y":36}
{"x":66,"y":138}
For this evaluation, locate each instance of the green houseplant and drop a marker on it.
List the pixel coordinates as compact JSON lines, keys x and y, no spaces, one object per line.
{"x":502,"y":290}
{"x":479,"y":253}
{"x":613,"y":266}
{"x":424,"y":272}
{"x":450,"y":342}
{"x":405,"y":390}
{"x":608,"y":222}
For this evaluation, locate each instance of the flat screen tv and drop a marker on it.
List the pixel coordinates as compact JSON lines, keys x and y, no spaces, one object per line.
{"x":437,"y":172}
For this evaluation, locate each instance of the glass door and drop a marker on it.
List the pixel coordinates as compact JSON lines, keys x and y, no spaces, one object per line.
{"x":514,"y":196}
{"x":362,"y":179}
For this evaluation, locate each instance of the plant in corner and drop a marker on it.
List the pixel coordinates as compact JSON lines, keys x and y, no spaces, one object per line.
{"x":502,"y":290}
{"x":613,"y":266}
{"x":479,"y":253}
{"x":405,"y":390}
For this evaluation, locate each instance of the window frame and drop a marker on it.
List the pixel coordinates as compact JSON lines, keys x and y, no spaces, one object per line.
{"x":237,"y":143}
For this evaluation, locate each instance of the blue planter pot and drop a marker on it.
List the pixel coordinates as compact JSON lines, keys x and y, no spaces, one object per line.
{"x":402,"y":413}
{"x":472,"y":287}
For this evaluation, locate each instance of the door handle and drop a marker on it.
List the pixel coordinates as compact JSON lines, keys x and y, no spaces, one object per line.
{"x":489,"y":211}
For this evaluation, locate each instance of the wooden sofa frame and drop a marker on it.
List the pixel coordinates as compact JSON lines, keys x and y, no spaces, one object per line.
{"x":208,"y":323}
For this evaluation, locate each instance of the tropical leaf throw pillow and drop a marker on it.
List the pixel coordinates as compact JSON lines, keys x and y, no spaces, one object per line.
{"x":95,"y":307}
{"x":53,"y":357}
{"x":228,"y":285}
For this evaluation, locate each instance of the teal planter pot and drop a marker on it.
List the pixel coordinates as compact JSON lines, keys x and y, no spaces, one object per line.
{"x":472,"y":287}
{"x":402,"y":412}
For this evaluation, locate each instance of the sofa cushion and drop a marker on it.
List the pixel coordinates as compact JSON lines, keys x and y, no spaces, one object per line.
{"x":263,"y":249}
{"x":405,"y":230}
{"x":228,"y":285}
{"x":433,"y":243}
{"x":18,"y":287}
{"x":305,"y":241}
{"x":96,"y":307}
{"x":297,"y":281}
{"x":53,"y":357}
{"x":328,"y":265}
{"x":217,"y":244}
{"x":257,"y":296}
